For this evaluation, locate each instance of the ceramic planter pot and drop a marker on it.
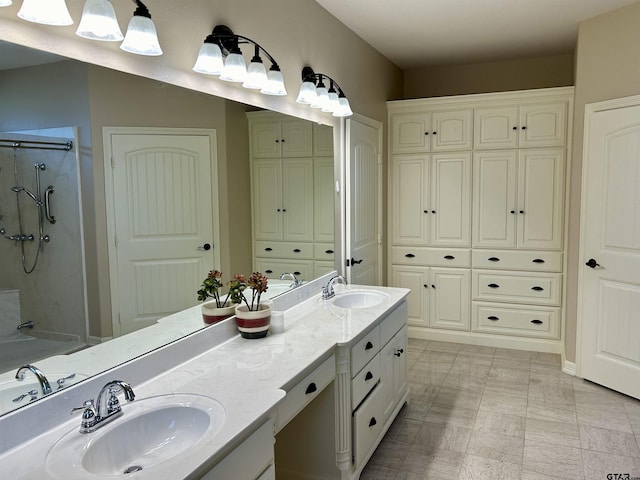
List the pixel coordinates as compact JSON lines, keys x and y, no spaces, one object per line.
{"x":253,"y":324}
{"x":212,"y":314}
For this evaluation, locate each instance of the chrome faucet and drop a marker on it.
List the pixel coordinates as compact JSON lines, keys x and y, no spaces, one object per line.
{"x":327,"y":290}
{"x":292,"y":276}
{"x":44,"y":383}
{"x":104,"y":410}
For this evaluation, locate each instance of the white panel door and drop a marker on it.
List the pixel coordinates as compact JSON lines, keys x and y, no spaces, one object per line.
{"x":610,"y":279}
{"x":363,"y":177}
{"x":163,"y":212}
{"x":494,"y":199}
{"x":410,"y":199}
{"x":451,"y":199}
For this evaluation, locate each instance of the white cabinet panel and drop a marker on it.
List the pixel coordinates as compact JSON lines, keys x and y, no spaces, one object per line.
{"x":543,"y":125}
{"x":517,"y":287}
{"x":495,"y":127}
{"x":520,"y":320}
{"x":452,"y":130}
{"x":410,"y":133}
{"x":410,"y":199}
{"x":415,"y":279}
{"x":450,"y":289}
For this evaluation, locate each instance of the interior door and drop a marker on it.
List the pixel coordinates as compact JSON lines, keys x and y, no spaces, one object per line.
{"x":364,"y":163}
{"x":162,"y":223}
{"x":610,"y":274}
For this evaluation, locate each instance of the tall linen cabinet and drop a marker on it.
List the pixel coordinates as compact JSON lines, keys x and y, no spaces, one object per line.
{"x":477,"y":215}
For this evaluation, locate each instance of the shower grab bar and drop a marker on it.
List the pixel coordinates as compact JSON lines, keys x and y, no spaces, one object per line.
{"x":37,"y":145}
{"x":47,"y":204}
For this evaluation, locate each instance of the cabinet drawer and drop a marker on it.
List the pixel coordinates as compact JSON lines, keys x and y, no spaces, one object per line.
{"x":543,"y":289}
{"x":275,"y":267}
{"x":517,"y":260}
{"x":290,"y":250}
{"x":305,"y":391}
{"x":367,"y":424}
{"x":323,"y":251}
{"x":542,"y":322}
{"x":432,"y":257}
{"x":363,"y":351}
{"x":394,"y":322}
{"x":364,"y":381}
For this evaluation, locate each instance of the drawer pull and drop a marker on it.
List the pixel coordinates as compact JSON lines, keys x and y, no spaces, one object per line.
{"x":493,"y":259}
{"x":537,"y":260}
{"x":493,"y":318}
{"x":311,"y":388}
{"x":537,"y":322}
{"x":268,"y":271}
{"x":399,"y":352}
{"x":426,"y":285}
{"x":328,"y":251}
{"x":296,"y":250}
{"x":268,"y":249}
{"x":372,"y":422}
{"x":297,"y":274}
{"x":493,"y":285}
{"x":426,"y":211}
{"x":537,"y":289}
{"x":410,"y":255}
{"x":368,"y":346}
{"x":368,"y":376}
{"x":449,"y":257}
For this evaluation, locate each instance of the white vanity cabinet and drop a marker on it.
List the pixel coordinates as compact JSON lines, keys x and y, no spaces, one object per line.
{"x":505,"y":207}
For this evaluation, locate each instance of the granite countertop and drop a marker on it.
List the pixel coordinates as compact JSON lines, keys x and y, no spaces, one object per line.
{"x":248,"y":377}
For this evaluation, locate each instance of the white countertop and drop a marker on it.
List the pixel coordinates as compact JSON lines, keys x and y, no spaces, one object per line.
{"x":248,"y":377}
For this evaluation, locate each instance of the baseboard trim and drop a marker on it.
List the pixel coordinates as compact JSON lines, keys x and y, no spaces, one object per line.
{"x":569,"y":367}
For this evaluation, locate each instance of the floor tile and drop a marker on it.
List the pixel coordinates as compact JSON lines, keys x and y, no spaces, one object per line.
{"x":448,"y":415}
{"x":480,"y":468}
{"x":376,"y":472}
{"x":528,"y":474}
{"x":552,"y":411}
{"x":445,"y":346}
{"x":632,"y":407}
{"x":436,"y":464}
{"x":390,"y":454}
{"x":501,"y":400}
{"x":555,"y":433}
{"x":468,"y":397}
{"x":545,"y":358}
{"x":510,"y":376}
{"x":510,"y":353}
{"x":496,"y":447}
{"x":613,"y":418}
{"x":478,"y":350}
{"x":542,"y":374}
{"x":404,"y":430}
{"x":604,"y":400}
{"x":609,"y":441}
{"x":434,"y":436}
{"x":598,"y":465}
{"x":500,"y":423}
{"x":542,"y":393}
{"x":553,"y":460}
{"x":520,"y":364}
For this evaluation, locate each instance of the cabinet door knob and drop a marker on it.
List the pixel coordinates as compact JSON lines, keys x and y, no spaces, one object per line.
{"x":282,"y":140}
{"x":435,"y":133}
{"x":493,"y":318}
{"x":515,"y":128}
{"x":399,"y":352}
{"x":493,"y":285}
{"x":372,"y":422}
{"x":493,"y":259}
{"x":512,"y":212}
{"x":425,"y":285}
{"x":284,"y":209}
{"x":368,"y":376}
{"x":537,"y":322}
{"x":426,"y":133}
{"x":524,"y":127}
{"x":311,"y":388}
{"x":521,"y":211}
{"x":277,"y":141}
{"x":426,"y":211}
{"x":433,"y":211}
{"x":368,"y":346}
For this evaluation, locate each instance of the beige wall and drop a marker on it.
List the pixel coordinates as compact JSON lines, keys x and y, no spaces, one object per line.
{"x":607,"y":66}
{"x":520,"y":74}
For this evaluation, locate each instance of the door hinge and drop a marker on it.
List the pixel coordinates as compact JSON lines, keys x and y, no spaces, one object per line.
{"x":379,"y":239}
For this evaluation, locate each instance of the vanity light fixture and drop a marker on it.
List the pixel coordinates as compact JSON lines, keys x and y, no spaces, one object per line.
{"x":46,"y":12}
{"x":99,"y":22}
{"x":141,"y":37}
{"x":220,"y":55}
{"x":313,"y":92}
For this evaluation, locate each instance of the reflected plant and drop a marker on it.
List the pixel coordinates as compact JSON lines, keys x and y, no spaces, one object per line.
{"x":256,"y":282}
{"x":211,"y":288}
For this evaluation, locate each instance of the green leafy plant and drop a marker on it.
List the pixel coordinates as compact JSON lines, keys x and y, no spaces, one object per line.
{"x":212,"y":288}
{"x":256,"y":282}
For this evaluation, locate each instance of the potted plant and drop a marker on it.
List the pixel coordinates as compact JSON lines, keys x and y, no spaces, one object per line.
{"x":252,"y":316}
{"x":220,"y":307}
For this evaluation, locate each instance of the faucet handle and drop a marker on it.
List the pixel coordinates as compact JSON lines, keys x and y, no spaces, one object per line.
{"x":88,"y":414}
{"x":113,"y":404}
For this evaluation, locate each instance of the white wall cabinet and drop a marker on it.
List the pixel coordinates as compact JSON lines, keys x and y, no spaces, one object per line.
{"x":519,"y":198}
{"x":284,"y":138}
{"x":496,"y":195}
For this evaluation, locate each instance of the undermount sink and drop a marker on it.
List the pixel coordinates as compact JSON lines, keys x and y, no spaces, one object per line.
{"x":151,"y":434}
{"x":356,"y":299}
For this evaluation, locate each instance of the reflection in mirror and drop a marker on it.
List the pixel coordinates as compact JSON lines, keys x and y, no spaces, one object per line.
{"x":62,"y":93}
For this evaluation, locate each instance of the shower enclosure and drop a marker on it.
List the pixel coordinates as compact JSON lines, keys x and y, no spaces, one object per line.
{"x":42,"y":285}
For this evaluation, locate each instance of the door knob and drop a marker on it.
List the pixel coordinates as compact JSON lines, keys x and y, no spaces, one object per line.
{"x":206,"y":247}
{"x":591,"y":263}
{"x":356,"y":262}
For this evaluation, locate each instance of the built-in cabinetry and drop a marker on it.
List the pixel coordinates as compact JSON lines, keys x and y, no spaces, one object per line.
{"x":292,"y":195}
{"x":477,"y":209}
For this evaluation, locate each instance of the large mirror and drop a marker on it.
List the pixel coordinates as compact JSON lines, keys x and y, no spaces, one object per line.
{"x":58,"y":99}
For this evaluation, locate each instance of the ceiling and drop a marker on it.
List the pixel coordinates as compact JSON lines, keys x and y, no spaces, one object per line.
{"x":420,"y":33}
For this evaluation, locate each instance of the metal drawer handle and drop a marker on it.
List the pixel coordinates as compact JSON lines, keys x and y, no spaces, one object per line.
{"x":268,"y":271}
{"x":410,"y":255}
{"x":368,"y":346}
{"x":372,"y":422}
{"x":537,"y":322}
{"x":537,"y":289}
{"x":328,"y":251}
{"x":311,"y":388}
{"x":296,"y":250}
{"x":493,"y":259}
{"x":493,"y":318}
{"x":268,"y":249}
{"x":537,"y":260}
{"x":368,"y":376}
{"x":449,"y":257}
{"x":297,"y":274}
{"x":493,"y":285}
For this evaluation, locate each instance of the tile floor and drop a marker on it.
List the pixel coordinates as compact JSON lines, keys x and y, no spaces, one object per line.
{"x":494,"y":414}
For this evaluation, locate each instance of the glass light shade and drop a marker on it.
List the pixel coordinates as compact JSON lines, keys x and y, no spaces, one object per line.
{"x":345,"y":108}
{"x":307,"y":93}
{"x":322,"y":97}
{"x":5,"y":3}
{"x":99,"y":22}
{"x":256,"y":77}
{"x":332,"y":104}
{"x":46,"y":12}
{"x":209,"y":60}
{"x":275,"y":84}
{"x":141,"y":37}
{"x":235,"y":69}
